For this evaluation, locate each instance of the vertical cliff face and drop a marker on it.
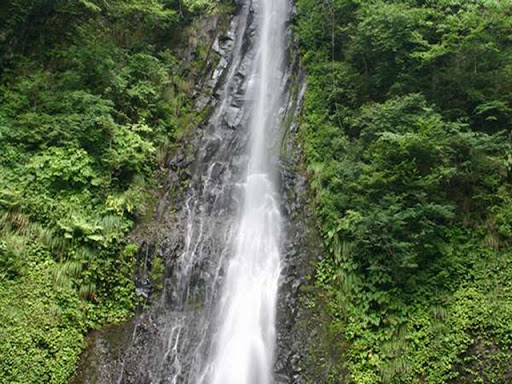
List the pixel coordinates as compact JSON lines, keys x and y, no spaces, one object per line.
{"x":215,"y":221}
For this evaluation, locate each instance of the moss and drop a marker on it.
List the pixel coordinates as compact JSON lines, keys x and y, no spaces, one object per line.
{"x":157,"y":273}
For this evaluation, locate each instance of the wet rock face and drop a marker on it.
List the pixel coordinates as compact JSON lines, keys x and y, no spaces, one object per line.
{"x":301,"y":245}
{"x":102,"y":360}
{"x":167,"y":340}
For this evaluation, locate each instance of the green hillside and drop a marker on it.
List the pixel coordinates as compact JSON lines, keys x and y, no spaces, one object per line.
{"x":407,"y":130}
{"x":92,"y":97}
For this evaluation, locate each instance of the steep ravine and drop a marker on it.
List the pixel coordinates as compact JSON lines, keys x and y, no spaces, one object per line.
{"x":200,"y":190}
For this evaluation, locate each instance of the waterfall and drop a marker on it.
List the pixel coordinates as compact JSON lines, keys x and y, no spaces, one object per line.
{"x":244,"y":343}
{"x":215,"y":321}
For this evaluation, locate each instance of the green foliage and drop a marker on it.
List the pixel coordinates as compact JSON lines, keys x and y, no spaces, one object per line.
{"x":157,"y":273}
{"x":194,"y":5}
{"x":89,"y":90}
{"x":42,"y":326}
{"x":407,"y":140}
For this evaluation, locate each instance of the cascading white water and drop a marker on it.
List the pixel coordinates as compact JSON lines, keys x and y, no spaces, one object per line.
{"x":215,"y":320}
{"x":245,"y":338}
{"x":244,"y":351}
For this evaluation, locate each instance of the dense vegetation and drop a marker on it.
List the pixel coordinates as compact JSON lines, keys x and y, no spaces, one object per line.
{"x":407,"y":130}
{"x":91,"y":98}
